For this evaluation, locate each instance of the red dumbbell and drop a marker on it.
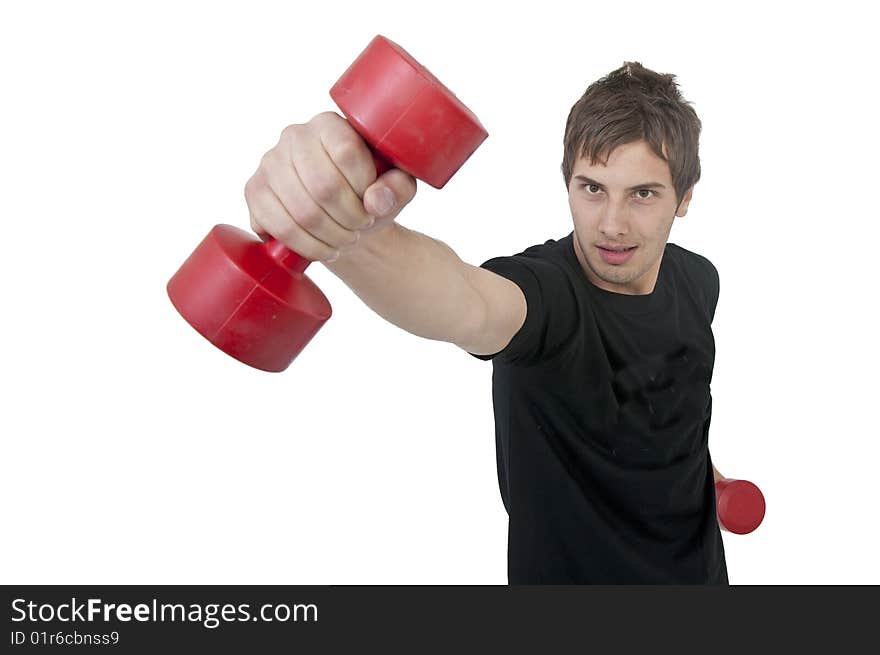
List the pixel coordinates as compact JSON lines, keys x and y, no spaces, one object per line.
{"x":252,"y":299}
{"x":740,"y":505}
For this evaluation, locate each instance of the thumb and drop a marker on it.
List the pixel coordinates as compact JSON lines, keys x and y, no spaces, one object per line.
{"x":390,"y":193}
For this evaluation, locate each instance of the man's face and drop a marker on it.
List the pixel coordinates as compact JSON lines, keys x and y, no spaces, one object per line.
{"x":616,"y":206}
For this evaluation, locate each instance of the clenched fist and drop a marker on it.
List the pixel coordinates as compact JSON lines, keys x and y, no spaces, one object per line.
{"x":317,"y":189}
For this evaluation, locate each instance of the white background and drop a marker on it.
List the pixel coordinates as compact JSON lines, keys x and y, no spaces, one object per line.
{"x":134,"y":452}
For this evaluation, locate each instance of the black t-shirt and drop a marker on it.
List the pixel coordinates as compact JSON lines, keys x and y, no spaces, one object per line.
{"x":602,"y":410}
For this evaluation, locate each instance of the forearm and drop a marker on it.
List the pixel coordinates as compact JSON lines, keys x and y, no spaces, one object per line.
{"x":717,"y":475}
{"x":413,"y":281}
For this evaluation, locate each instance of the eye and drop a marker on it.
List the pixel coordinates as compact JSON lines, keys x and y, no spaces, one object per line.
{"x":591,"y":192}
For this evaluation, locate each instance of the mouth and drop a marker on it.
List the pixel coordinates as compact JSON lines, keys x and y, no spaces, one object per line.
{"x":616,"y":254}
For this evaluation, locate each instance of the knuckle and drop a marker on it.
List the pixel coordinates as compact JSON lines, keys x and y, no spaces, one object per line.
{"x":325,"y":117}
{"x":269,"y":160}
{"x":309,"y":219}
{"x":291,"y":132}
{"x":348,"y":152}
{"x":253,"y":186}
{"x":294,"y":138}
{"x":350,"y":155}
{"x":324,"y":189}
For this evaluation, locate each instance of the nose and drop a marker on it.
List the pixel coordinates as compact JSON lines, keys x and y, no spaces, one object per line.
{"x":614,"y":220}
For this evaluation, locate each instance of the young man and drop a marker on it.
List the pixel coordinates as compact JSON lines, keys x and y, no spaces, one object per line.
{"x":601,"y":341}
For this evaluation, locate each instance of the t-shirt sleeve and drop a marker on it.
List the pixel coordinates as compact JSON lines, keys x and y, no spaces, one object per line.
{"x":704,"y":276}
{"x":713,"y":289}
{"x":551,"y":309}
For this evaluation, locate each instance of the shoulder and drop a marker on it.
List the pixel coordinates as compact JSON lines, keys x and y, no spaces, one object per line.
{"x":545,"y":260}
{"x":699,"y":271}
{"x":553,"y":310}
{"x":693,"y":263}
{"x":550,"y":250}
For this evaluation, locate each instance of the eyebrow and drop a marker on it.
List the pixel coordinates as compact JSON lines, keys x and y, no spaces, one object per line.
{"x":646,"y":185}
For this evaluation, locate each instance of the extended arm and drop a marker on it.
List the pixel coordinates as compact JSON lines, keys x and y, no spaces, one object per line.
{"x":422,"y":286}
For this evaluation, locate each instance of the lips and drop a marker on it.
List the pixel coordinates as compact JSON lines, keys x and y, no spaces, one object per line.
{"x":614,"y":256}
{"x":616,"y":248}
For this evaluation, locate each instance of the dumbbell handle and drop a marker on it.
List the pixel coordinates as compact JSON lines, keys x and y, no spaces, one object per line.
{"x":740,"y":505}
{"x":292,"y":260}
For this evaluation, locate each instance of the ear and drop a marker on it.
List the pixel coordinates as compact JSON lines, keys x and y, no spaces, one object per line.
{"x":683,"y":205}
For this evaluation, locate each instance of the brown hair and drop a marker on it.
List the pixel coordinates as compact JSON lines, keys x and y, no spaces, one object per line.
{"x":631,"y":104}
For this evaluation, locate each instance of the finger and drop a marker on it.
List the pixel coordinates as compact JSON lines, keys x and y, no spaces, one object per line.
{"x":327,"y":186}
{"x":349,"y":152}
{"x":390,"y":193}
{"x":283,"y":180}
{"x":268,"y":216}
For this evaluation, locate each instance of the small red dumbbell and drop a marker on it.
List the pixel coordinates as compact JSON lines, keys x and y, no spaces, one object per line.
{"x":740,"y":505}
{"x":252,"y":299}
